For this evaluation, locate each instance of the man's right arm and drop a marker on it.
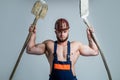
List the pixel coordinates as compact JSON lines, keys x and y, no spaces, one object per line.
{"x":32,"y":47}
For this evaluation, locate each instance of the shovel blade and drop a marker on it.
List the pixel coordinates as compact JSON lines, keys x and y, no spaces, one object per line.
{"x":84,"y":8}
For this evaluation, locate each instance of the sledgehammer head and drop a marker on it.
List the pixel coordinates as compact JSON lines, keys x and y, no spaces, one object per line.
{"x":40,"y":9}
{"x":43,"y":10}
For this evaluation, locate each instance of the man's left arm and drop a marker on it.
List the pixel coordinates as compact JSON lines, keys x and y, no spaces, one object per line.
{"x":91,"y":49}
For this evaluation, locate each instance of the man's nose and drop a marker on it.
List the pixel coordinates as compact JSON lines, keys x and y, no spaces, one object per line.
{"x":62,"y":33}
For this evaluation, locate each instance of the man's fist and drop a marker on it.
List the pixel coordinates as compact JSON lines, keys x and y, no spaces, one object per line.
{"x":32,"y":29}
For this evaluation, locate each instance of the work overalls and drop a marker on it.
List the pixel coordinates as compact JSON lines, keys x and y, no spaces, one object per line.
{"x":61,"y":70}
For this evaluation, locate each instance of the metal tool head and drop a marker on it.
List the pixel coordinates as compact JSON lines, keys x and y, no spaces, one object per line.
{"x":43,"y":10}
{"x":40,"y":9}
{"x":84,"y":8}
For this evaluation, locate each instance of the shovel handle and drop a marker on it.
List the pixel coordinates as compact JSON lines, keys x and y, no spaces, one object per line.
{"x":103,"y":57}
{"x":101,"y":52}
{"x":22,"y":50}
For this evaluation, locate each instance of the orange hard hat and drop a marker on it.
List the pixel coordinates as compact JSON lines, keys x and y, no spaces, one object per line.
{"x":62,"y":24}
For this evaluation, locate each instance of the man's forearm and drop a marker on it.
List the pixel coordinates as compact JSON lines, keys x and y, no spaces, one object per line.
{"x":31,"y":42}
{"x":92,"y":44}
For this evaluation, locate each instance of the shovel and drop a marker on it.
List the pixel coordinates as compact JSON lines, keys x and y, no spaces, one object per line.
{"x":39,"y":10}
{"x":84,"y":12}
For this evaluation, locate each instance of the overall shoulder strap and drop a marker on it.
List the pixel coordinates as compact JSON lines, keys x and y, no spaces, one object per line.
{"x":55,"y":49}
{"x":68,"y":51}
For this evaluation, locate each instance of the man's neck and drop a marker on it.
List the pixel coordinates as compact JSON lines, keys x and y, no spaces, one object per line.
{"x":63,"y":43}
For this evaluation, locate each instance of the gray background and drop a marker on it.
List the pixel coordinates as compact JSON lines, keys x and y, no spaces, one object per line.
{"x":16,"y":17}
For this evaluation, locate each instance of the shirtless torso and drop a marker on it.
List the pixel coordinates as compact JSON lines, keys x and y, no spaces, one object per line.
{"x":61,"y":53}
{"x":77,"y":49}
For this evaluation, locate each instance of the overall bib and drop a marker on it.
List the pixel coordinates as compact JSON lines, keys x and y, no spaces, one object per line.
{"x":61,"y":70}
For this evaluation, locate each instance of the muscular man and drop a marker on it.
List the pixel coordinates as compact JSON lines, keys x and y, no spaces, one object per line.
{"x":62,"y":54}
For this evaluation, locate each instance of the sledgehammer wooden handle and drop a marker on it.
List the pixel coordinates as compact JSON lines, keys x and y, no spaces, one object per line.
{"x":22,"y":50}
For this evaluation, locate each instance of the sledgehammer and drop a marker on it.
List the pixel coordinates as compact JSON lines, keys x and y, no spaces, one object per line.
{"x":39,"y":10}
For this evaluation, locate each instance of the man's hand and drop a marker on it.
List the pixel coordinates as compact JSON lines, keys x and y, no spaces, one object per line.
{"x":32,"y":29}
{"x":89,"y":31}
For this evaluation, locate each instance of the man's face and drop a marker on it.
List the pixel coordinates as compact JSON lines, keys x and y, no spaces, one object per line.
{"x":62,"y":30}
{"x":62,"y":35}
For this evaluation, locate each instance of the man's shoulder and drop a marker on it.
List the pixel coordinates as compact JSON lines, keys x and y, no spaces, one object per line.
{"x":48,"y":41}
{"x":75,"y":42}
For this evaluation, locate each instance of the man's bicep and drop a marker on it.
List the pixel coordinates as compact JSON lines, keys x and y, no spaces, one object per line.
{"x":85,"y":50}
{"x":38,"y":49}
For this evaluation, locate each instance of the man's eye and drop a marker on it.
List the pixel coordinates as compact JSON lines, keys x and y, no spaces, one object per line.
{"x":65,"y":31}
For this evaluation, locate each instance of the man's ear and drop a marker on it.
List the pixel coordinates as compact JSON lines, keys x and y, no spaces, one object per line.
{"x":55,"y":31}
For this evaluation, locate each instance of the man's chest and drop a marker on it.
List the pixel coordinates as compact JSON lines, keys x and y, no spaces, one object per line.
{"x":62,"y":52}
